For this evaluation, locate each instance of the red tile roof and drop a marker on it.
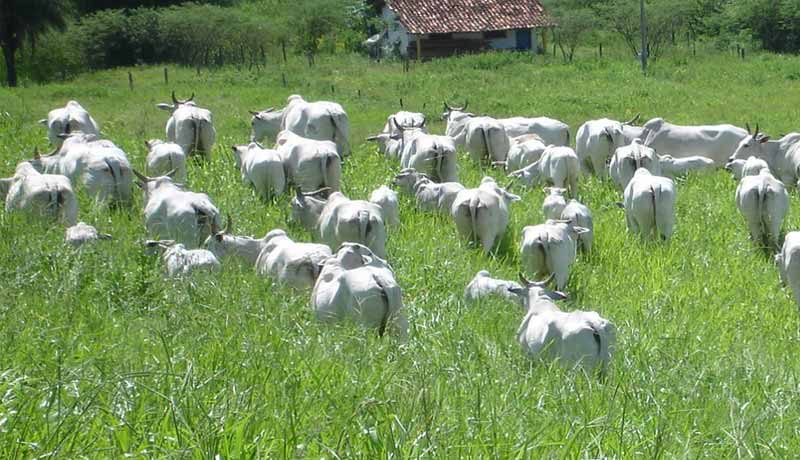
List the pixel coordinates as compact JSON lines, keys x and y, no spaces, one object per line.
{"x":445,"y":16}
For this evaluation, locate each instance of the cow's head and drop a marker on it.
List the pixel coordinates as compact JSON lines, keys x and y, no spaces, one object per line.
{"x":153,"y":247}
{"x":176,"y":103}
{"x":751,"y":145}
{"x":354,"y":255}
{"x":151,"y":184}
{"x":307,"y":207}
{"x":265,"y":124}
{"x":219,"y":240}
{"x":240,"y":150}
{"x":452,"y":112}
{"x":531,"y":291}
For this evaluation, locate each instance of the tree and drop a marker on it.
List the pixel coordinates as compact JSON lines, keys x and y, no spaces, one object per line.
{"x":577,"y":24}
{"x":22,"y":20}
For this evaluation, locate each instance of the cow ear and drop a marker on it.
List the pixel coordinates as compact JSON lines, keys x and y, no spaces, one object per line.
{"x":518,"y":290}
{"x":366,"y":259}
{"x":763,"y":139}
{"x":556,"y":295}
{"x":43,"y":121}
{"x":165,"y":106}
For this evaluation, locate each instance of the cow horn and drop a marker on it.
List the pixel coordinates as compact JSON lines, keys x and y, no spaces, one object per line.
{"x":190,"y":98}
{"x":633,"y":120}
{"x":254,"y":113}
{"x":171,"y":173}
{"x":424,"y":120}
{"x":447,"y":108}
{"x":147,"y":144}
{"x":174,"y":99}
{"x":510,"y":184}
{"x":228,"y":226}
{"x":316,"y":192}
{"x":397,"y":125}
{"x":401,"y":103}
{"x":756,"y":131}
{"x":141,"y":176}
{"x":373,"y":138}
{"x":466,"y":104}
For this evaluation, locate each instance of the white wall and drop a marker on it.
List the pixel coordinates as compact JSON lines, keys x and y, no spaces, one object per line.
{"x":395,"y":33}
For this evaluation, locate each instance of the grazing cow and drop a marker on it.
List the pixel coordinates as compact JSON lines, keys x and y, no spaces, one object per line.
{"x":224,"y":243}
{"x":486,"y":139}
{"x":579,"y":215}
{"x":558,"y":166}
{"x":782,"y":155}
{"x":180,"y":261}
{"x":481,"y":214}
{"x":483,"y":285}
{"x":712,"y":141}
{"x":788,"y":261}
{"x":550,"y":248}
{"x":576,"y":339}
{"x":390,"y":141}
{"x":626,"y":160}
{"x":171,"y":212}
{"x":261,"y":168}
{"x":524,"y":150}
{"x":430,"y":196}
{"x":47,"y":196}
{"x":430,"y":154}
{"x":67,"y":119}
{"x":82,"y":233}
{"x":597,"y":140}
{"x":764,"y":202}
{"x":310,"y":164}
{"x":554,"y":202}
{"x":190,"y":126}
{"x":363,"y":290}
{"x":340,"y":219}
{"x":386,"y":198}
{"x":649,"y":203}
{"x":165,"y":158}
{"x":99,"y":166}
{"x":456,"y":119}
{"x":750,"y":167}
{"x":288,"y":262}
{"x":265,"y":124}
{"x":676,"y":167}
{"x":550,"y":130}
{"x":408,"y":179}
{"x":321,"y":121}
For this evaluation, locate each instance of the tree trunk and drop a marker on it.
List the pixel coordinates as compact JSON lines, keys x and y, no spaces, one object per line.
{"x":9,"y":52}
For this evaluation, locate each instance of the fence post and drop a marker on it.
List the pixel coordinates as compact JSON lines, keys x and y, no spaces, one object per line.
{"x":283,"y":48}
{"x":130,"y":80}
{"x":333,"y":89}
{"x":283,"y":77}
{"x":166,"y":76}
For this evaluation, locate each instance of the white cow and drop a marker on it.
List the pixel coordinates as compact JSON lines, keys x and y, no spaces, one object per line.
{"x":597,"y":140}
{"x":626,"y":160}
{"x":579,"y":215}
{"x":554,"y":202}
{"x":558,"y":166}
{"x":340,"y":219}
{"x":361,"y":287}
{"x":83,"y":233}
{"x":711,"y":141}
{"x":224,"y":243}
{"x":524,"y":150}
{"x":166,"y":158}
{"x":788,"y":261}
{"x":180,"y":261}
{"x":552,"y":131}
{"x":265,"y":124}
{"x":99,"y":166}
{"x":261,"y":168}
{"x":550,"y":248}
{"x":429,"y":154}
{"x":322,"y":121}
{"x":48,"y":196}
{"x":386,"y":198}
{"x":70,"y":118}
{"x":171,"y":212}
{"x":291,"y":263}
{"x":782,"y":155}
{"x":190,"y":126}
{"x":676,"y":167}
{"x":310,"y":164}
{"x":764,"y":202}
{"x":483,"y":285}
{"x":481,"y":214}
{"x":430,"y":196}
{"x":649,"y":203}
{"x":390,"y":141}
{"x":576,"y":339}
{"x":456,"y":119}
{"x":486,"y":139}
{"x":749,"y":167}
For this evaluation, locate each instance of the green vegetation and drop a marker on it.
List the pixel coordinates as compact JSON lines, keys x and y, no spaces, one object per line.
{"x":102,"y":357}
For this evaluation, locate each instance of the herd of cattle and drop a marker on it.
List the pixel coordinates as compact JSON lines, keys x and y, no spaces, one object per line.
{"x":355,"y":281}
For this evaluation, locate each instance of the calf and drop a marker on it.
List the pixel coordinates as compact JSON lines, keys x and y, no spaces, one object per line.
{"x":261,"y":168}
{"x":676,"y":167}
{"x":180,"y":261}
{"x":481,"y":214}
{"x":626,"y":160}
{"x":750,"y":167}
{"x":550,"y":248}
{"x":386,"y":198}
{"x":788,"y":261}
{"x":287,"y":262}
{"x":523,"y":151}
{"x":483,"y":285}
{"x":763,"y":201}
{"x":166,"y":158}
{"x":82,"y":233}
{"x":558,"y":166}
{"x":554,"y":202}
{"x":578,"y":215}
{"x":649,"y":203}
{"x":48,"y":196}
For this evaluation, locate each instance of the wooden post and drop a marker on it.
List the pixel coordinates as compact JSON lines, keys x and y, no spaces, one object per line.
{"x":166,"y":76}
{"x":544,"y":41}
{"x":283,"y":48}
{"x":419,"y":47}
{"x":283,"y":77}
{"x":130,"y":80}
{"x":333,"y":89}
{"x":643,"y":30}
{"x":601,"y":50}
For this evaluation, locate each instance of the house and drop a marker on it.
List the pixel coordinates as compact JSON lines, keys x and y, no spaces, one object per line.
{"x":437,"y":28}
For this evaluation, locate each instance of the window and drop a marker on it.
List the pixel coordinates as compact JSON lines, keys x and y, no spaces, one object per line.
{"x":492,"y":34}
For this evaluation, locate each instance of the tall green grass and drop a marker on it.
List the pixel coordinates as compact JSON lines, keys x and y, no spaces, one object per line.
{"x":101,"y":357}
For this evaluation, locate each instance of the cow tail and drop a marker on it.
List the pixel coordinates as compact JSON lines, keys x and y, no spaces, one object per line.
{"x":602,"y":349}
{"x":763,"y":216}
{"x":205,"y":218}
{"x":544,"y":248}
{"x":438,"y":161}
{"x":114,"y":169}
{"x":474,"y":207}
{"x":486,"y":143}
{"x":197,"y":124}
{"x":323,"y":168}
{"x":655,"y":193}
{"x":363,"y":225}
{"x":386,"y":309}
{"x":568,"y":139}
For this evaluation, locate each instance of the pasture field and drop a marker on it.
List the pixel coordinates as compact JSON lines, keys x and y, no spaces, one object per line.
{"x":101,"y":357}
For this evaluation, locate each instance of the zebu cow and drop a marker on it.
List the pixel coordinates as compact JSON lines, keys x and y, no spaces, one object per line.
{"x":711,"y":141}
{"x":788,"y":261}
{"x":360,"y":287}
{"x":552,"y":131}
{"x":322,"y":121}
{"x":179,"y":261}
{"x":261,"y":168}
{"x":626,"y":160}
{"x":340,"y":219}
{"x":70,"y":118}
{"x":386,"y":198}
{"x":190,"y":126}
{"x":430,"y":196}
{"x":524,"y":150}
{"x":597,"y":140}
{"x":558,"y":166}
{"x":649,"y":203}
{"x":265,"y":124}
{"x":676,"y":167}
{"x":163,"y":157}
{"x":579,"y":215}
{"x":224,"y":244}
{"x":486,"y":139}
{"x":763,"y":201}
{"x":83,"y":233}
{"x":550,"y":248}
{"x":483,"y":285}
{"x":782,"y":155}
{"x":310,"y":164}
{"x":554,"y":202}
{"x":750,"y":167}
{"x":481,"y":214}
{"x":98,"y":166}
{"x":47,"y":196}
{"x":576,"y":339}
{"x":390,"y":141}
{"x":173,"y":213}
{"x":432,"y":155}
{"x":291,"y":263}
{"x":456,"y":119}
